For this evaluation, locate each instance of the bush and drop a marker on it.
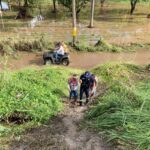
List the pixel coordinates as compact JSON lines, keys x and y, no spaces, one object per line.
{"x":32,"y":95}
{"x":11,"y":45}
{"x":101,"y":46}
{"x":123,"y":112}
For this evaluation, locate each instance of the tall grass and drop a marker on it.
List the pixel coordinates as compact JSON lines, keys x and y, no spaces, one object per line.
{"x":123,"y":112}
{"x":32,"y":95}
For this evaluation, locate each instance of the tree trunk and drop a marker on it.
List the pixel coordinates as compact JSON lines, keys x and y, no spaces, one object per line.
{"x":25,"y":3}
{"x":92,"y":13}
{"x":102,"y":2}
{"x":23,"y":10}
{"x":19,"y":4}
{"x":1,"y":4}
{"x":9,"y":5}
{"x":133,"y":5}
{"x":74,"y":21}
{"x":54,"y":6}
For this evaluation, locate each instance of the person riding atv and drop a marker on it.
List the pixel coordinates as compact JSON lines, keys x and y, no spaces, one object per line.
{"x":58,"y":56}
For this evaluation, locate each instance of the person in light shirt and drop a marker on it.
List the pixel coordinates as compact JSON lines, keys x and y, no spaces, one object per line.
{"x":59,"y":51}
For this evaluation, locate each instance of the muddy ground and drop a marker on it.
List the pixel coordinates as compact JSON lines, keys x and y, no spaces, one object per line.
{"x":78,"y":60}
{"x":62,"y":133}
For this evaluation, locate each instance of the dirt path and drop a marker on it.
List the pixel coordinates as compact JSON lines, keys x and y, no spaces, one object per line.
{"x":80,"y":60}
{"x":62,"y":133}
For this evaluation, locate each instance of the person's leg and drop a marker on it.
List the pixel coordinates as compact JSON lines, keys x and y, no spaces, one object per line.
{"x":81,"y":95}
{"x":87,"y":93}
{"x":70,"y":95}
{"x":59,"y":57}
{"x":56,"y":56}
{"x":75,"y":95}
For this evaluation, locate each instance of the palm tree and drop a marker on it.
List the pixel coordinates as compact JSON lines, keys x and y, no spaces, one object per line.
{"x":92,"y":14}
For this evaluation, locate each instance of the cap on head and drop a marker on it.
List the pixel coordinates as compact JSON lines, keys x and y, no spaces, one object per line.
{"x":87,"y":74}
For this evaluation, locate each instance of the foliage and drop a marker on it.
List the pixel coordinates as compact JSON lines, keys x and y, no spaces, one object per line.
{"x":80,"y":4}
{"x":123,"y":112}
{"x":10,"y":45}
{"x":32,"y":95}
{"x":100,"y":46}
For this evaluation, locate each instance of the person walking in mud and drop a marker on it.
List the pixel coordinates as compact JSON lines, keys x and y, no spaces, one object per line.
{"x":73,"y":88}
{"x":85,"y":86}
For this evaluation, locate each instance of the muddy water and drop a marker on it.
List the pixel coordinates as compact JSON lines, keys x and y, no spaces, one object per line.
{"x":113,"y":23}
{"x":89,"y":60}
{"x":80,"y":60}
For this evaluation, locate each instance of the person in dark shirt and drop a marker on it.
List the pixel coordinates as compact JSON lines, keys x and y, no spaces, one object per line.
{"x":85,"y":86}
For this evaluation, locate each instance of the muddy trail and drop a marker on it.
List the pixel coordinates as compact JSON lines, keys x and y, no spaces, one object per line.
{"x":79,"y":60}
{"x":62,"y":133}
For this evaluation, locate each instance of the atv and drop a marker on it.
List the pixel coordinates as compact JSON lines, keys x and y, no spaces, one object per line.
{"x":49,"y":58}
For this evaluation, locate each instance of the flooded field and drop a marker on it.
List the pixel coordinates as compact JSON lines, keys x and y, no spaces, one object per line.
{"x":115,"y":25}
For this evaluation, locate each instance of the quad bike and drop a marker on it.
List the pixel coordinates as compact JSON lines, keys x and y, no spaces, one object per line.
{"x":49,"y":58}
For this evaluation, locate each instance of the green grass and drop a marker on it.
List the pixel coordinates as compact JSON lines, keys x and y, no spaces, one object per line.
{"x":39,"y":43}
{"x":123,"y":113}
{"x":102,"y":47}
{"x":31,"y":96}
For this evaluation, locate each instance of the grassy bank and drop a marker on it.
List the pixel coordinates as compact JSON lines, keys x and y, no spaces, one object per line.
{"x":11,"y":45}
{"x":41,"y":43}
{"x":31,"y":96}
{"x":123,"y":113}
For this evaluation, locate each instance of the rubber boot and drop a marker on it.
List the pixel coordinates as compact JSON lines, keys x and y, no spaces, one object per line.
{"x":80,"y":103}
{"x":87,"y":100}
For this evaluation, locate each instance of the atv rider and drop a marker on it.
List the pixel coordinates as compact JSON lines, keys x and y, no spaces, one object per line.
{"x":85,"y":86}
{"x":73,"y":88}
{"x":59,"y":51}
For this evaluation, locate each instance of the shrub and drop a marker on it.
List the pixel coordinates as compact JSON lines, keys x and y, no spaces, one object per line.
{"x":123,"y":112}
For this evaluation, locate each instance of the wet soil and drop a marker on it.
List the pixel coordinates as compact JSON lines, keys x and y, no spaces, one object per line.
{"x":62,"y":133}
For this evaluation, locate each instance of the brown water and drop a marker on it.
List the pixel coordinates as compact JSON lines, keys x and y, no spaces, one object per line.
{"x":113,"y":23}
{"x":80,"y":60}
{"x":89,"y":60}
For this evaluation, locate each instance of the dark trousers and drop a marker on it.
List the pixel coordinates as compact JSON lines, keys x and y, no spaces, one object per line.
{"x":57,"y":56}
{"x":86,"y":91}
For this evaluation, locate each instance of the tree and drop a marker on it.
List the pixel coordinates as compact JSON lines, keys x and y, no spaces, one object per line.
{"x":102,"y":2}
{"x":1,"y":4}
{"x":54,"y":6}
{"x":79,"y":5}
{"x":92,"y":13}
{"x":133,"y":5}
